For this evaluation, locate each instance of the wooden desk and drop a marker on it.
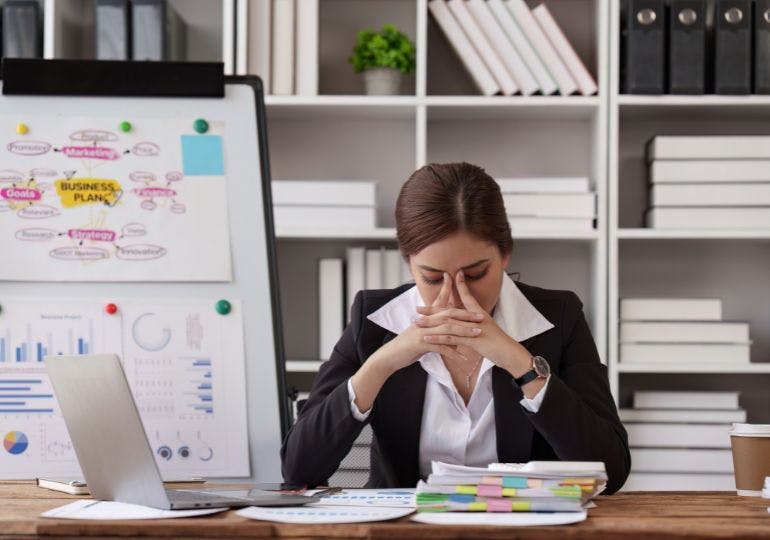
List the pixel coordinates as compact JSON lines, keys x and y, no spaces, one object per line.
{"x":625,"y":515}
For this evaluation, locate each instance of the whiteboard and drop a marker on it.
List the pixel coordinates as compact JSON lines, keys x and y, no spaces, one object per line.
{"x":253,"y":288}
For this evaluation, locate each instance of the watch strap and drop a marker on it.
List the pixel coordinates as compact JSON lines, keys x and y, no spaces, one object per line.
{"x":530,"y":375}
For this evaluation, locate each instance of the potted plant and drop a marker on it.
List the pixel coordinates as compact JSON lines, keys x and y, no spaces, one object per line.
{"x":382,"y":57}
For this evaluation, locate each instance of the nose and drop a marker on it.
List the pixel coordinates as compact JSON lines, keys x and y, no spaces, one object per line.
{"x":454,"y":298}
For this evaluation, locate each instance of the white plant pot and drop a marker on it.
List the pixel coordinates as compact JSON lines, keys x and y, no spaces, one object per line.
{"x":382,"y":81}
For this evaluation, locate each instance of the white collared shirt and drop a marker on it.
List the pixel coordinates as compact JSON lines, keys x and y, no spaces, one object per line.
{"x":452,"y":431}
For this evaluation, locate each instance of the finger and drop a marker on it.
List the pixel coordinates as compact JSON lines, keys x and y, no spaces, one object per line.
{"x":443,"y":295}
{"x":467,"y":298}
{"x":437,"y":320}
{"x":448,"y":351}
{"x":452,"y":313}
{"x":453,"y":329}
{"x":448,"y":339}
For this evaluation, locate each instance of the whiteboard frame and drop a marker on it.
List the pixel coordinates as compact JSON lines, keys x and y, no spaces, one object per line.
{"x":267,"y":424}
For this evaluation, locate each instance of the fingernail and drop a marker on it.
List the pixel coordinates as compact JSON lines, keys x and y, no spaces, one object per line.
{"x":478,"y":316}
{"x":446,"y":276}
{"x":428,"y":338}
{"x":476,"y":330}
{"x":461,"y":275}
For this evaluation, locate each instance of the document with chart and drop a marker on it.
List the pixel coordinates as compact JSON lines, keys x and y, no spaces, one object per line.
{"x":184,"y":361}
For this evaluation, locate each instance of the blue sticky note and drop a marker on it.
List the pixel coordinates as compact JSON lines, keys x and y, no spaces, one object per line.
{"x":202,"y":155}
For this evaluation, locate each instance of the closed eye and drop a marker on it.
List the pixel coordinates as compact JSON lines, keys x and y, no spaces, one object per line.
{"x":430,"y":281}
{"x":478,"y":276}
{"x":468,"y":277}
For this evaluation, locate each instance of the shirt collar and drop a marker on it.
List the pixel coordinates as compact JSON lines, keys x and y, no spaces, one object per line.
{"x":514,"y":313}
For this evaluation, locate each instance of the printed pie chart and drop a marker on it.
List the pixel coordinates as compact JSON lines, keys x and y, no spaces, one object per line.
{"x":15,"y":442}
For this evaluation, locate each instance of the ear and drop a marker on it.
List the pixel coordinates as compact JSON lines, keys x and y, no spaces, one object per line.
{"x":505,"y":260}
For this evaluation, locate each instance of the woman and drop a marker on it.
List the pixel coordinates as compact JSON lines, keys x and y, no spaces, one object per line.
{"x":465,"y":366}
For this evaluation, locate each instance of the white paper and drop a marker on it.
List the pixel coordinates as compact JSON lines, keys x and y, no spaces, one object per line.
{"x":89,"y":509}
{"x":381,"y":498}
{"x":184,"y":363}
{"x":323,"y":514}
{"x":513,"y":519}
{"x":82,"y":201}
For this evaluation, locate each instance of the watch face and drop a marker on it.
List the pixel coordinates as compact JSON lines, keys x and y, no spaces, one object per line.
{"x":541,"y":366}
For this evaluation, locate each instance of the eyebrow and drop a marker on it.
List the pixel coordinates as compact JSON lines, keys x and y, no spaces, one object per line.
{"x":468,"y":267}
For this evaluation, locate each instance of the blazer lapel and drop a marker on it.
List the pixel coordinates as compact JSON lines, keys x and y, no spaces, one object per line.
{"x":513,"y":428}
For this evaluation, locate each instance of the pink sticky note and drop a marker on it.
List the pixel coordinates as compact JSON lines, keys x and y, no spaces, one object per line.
{"x":484,"y":490}
{"x":498,"y":505}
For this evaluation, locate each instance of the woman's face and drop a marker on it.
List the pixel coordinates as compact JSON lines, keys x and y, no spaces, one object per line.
{"x":481,"y":262}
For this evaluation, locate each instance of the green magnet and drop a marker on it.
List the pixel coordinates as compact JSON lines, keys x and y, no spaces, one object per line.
{"x":223,"y":307}
{"x":200,"y":125}
{"x":125,"y":126}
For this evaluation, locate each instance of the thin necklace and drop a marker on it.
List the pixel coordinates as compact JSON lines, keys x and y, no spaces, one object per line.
{"x":468,"y":375}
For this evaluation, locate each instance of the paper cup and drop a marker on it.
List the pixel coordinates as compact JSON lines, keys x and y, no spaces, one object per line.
{"x":751,"y":457}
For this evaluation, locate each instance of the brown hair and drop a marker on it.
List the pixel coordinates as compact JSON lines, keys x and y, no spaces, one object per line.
{"x":440,"y":199}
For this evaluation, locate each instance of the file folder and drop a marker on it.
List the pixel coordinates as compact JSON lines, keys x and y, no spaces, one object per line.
{"x":158,"y":32}
{"x":732,"y":67}
{"x":645,"y":47}
{"x":22,"y":31}
{"x":762,"y":47}
{"x":687,"y":47}
{"x":113,"y":30}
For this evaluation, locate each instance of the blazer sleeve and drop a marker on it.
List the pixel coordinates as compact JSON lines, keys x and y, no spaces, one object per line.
{"x":326,"y":429}
{"x":578,"y":416}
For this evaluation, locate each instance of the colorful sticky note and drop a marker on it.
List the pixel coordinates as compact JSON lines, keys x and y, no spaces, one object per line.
{"x":202,"y":155}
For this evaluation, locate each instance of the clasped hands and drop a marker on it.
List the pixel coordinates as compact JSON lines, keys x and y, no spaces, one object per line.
{"x":441,"y":328}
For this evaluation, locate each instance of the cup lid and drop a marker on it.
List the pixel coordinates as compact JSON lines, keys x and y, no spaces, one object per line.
{"x":750,"y":430}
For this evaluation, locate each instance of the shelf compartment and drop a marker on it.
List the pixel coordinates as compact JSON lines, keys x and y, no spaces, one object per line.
{"x":736,"y":272}
{"x":339,"y":23}
{"x":581,"y":21}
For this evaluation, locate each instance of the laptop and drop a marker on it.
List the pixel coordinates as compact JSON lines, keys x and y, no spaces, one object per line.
{"x":112,"y":447}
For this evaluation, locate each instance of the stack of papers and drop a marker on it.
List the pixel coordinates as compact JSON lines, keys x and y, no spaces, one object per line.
{"x":537,"y":486}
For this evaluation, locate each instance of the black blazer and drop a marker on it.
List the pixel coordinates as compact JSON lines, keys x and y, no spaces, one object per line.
{"x":577,"y":420}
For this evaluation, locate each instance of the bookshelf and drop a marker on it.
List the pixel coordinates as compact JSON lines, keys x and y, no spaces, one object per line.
{"x":731,"y":264}
{"x":342,"y":134}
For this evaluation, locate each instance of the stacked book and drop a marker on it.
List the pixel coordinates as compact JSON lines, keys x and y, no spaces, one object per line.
{"x":680,"y":331}
{"x":537,"y":486}
{"x":322,"y":204}
{"x":548,"y":204}
{"x":373,"y":268}
{"x":283,"y":45}
{"x":509,"y":49}
{"x":709,"y":182}
{"x":339,"y":280}
{"x":353,"y":471}
{"x":681,"y":440}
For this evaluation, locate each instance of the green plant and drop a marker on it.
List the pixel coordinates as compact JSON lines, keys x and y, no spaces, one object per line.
{"x":388,"y":48}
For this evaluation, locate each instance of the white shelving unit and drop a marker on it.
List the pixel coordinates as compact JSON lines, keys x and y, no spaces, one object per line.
{"x":730,"y":264}
{"x":339,"y":135}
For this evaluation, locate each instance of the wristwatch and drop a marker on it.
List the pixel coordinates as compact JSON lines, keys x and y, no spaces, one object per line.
{"x":540,"y":370}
